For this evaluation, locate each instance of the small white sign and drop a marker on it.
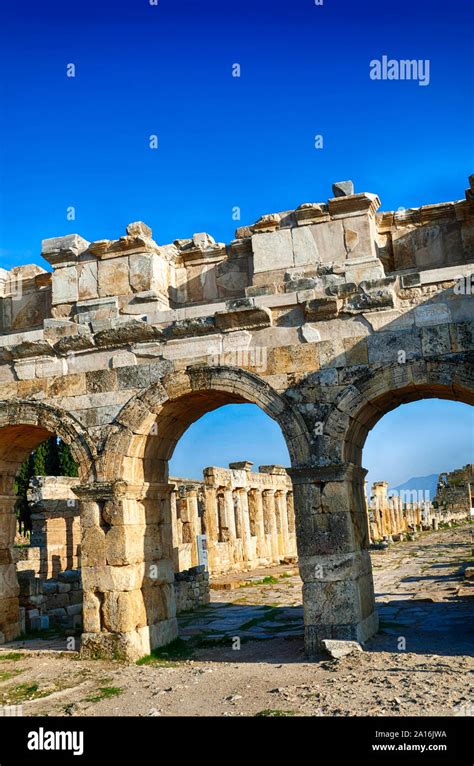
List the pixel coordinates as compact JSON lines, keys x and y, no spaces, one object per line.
{"x":202,"y":551}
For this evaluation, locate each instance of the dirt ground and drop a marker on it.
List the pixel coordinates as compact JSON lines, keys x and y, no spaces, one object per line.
{"x":243,"y":654}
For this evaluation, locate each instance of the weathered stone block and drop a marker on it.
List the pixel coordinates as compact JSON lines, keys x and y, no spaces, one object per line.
{"x":123,"y":612}
{"x":245,"y":317}
{"x":272,"y":250}
{"x":113,"y":277}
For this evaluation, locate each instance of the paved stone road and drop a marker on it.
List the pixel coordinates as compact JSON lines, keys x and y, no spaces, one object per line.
{"x":423,"y":601}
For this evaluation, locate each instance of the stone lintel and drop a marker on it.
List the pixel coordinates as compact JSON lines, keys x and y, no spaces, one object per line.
{"x":29,"y":349}
{"x":62,"y":251}
{"x":243,"y":318}
{"x":324,"y":474}
{"x":96,"y":304}
{"x":322,"y":308}
{"x":241,"y":465}
{"x":113,"y":490}
{"x":353,"y":204}
{"x":132,"y":331}
{"x":197,"y":256}
{"x":311,"y":212}
{"x":278,"y":469}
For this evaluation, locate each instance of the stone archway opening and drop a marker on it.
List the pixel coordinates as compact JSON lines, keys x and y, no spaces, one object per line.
{"x":232,"y":486}
{"x":133,"y":607}
{"x":233,"y":525}
{"x":40,"y":582}
{"x":420,"y":525}
{"x":245,"y":520}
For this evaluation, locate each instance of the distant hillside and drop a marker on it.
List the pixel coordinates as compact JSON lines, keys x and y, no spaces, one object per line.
{"x":420,"y":483}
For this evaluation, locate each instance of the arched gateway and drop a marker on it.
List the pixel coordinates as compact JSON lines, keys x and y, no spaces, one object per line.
{"x":326,"y":317}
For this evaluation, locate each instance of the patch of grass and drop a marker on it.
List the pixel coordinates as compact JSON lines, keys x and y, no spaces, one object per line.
{"x":23,"y":693}
{"x":46,"y":633}
{"x":177,"y":650}
{"x":285,"y":575}
{"x":6,"y":675}
{"x":270,"y":614}
{"x":13,"y":656}
{"x":269,"y":713}
{"x":269,"y":580}
{"x":105,"y":692}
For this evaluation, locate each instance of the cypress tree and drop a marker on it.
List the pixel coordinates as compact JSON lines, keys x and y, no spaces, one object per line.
{"x":67,"y":464}
{"x":51,"y":458}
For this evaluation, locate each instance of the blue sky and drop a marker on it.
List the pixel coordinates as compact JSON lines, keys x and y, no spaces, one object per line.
{"x":222,"y":141}
{"x":226,"y":142}
{"x":416,"y":439}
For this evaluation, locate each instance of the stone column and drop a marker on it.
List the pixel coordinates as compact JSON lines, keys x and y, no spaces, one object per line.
{"x":9,"y":588}
{"x":223,"y":536}
{"x":212,"y":523}
{"x":127,"y":569}
{"x":269,"y":516}
{"x":291,"y":522}
{"x":280,"y":502}
{"x":238,"y":545}
{"x":229,"y":513}
{"x":175,"y":533}
{"x":332,"y":538}
{"x":193,"y":521}
{"x":255,"y":502}
{"x":247,"y":547}
{"x":291,"y":512}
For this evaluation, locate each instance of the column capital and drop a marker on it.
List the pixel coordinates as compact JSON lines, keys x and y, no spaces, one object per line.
{"x":102,"y":491}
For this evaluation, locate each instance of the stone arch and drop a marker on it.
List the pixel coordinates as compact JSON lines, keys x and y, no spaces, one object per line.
{"x":338,"y":593}
{"x":370,"y":397}
{"x":166,"y":409}
{"x":23,"y":426}
{"x":128,"y":573}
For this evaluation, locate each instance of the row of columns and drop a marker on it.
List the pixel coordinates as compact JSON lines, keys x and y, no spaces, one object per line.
{"x":245,"y":527}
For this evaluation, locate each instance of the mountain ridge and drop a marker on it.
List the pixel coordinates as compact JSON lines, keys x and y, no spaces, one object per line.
{"x":420,"y":484}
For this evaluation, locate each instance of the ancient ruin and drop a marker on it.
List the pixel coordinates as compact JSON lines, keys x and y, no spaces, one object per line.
{"x":326,"y":316}
{"x":455,"y":490}
{"x":394,"y":515}
{"x":247,"y":517}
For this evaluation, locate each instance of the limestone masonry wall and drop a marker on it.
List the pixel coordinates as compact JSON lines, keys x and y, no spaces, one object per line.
{"x":191,"y":588}
{"x":44,"y":602}
{"x":455,"y":490}
{"x":48,"y":569}
{"x":56,"y":527}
